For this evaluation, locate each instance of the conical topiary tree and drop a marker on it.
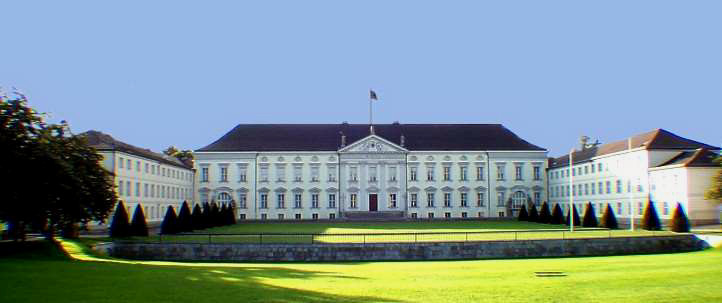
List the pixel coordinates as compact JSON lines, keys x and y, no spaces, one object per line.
{"x":138,"y":226}
{"x":119,"y":227}
{"x":577,"y":221}
{"x":650,"y":219}
{"x":207,"y":219}
{"x":184,"y":218}
{"x":215,"y":214}
{"x":590,"y":217}
{"x":557,"y":215}
{"x":231,"y":215}
{"x":679,"y":222}
{"x":523,"y":215}
{"x":544,"y":215}
{"x":223,"y":216}
{"x":533,"y":213}
{"x":609,"y":220}
{"x":197,"y":218}
{"x":170,"y":222}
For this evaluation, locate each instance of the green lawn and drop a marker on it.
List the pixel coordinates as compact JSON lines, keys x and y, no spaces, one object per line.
{"x":43,"y":275}
{"x":377,"y":232}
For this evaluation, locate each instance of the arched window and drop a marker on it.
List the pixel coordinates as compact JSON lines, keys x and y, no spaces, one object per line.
{"x":518,"y":199}
{"x":224,"y":199}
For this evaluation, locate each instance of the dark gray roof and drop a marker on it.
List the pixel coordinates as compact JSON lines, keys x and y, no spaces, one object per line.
{"x":658,"y":139}
{"x":104,"y":142}
{"x":327,"y":137}
{"x":698,"y":158}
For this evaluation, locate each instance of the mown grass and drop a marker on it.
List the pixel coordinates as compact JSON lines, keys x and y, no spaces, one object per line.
{"x":46,"y":276}
{"x":387,"y":232}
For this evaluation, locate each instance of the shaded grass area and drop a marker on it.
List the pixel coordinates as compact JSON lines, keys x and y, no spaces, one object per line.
{"x":685,"y":277}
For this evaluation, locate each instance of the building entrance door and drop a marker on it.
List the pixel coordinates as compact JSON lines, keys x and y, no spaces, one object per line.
{"x":373,"y":202}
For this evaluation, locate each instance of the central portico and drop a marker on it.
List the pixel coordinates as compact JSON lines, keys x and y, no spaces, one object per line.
{"x":372,"y":176}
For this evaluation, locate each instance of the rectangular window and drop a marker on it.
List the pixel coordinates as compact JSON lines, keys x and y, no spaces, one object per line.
{"x":297,"y":174}
{"x":120,"y":188}
{"x":586,"y":169}
{"x":619,"y":208}
{"x":264,"y":216}
{"x":129,"y":164}
{"x":464,"y":215}
{"x":281,"y":201}
{"x":331,"y":200}
{"x":127,"y":188}
{"x":297,"y":202}
{"x":298,"y":216}
{"x":315,"y":174}
{"x":593,"y":168}
{"x":447,"y":173}
{"x":447,"y":199}
{"x":464,"y":202}
{"x":414,"y":216}
{"x":586,"y":189}
{"x":429,"y":173}
{"x":609,"y":187}
{"x":429,"y":199}
{"x":640,"y":208}
{"x":500,"y":199}
{"x":281,"y":173}
{"x":480,"y":199}
{"x":137,"y":189}
{"x":372,"y":174}
{"x":146,"y":168}
{"x":574,"y":190}
{"x":314,"y":216}
{"x":592,"y":187}
{"x":431,"y":215}
{"x":500,"y":172}
{"x":264,"y":174}
{"x":281,"y":217}
{"x":414,"y":200}
{"x":537,"y":198}
{"x":224,"y":174}
{"x":152,"y":190}
{"x":392,"y":200}
{"x":353,"y":173}
{"x":242,"y":200}
{"x":462,"y":173}
{"x":665,"y":210}
{"x":242,"y":174}
{"x":518,"y":172}
{"x":412,"y":173}
{"x":314,"y":200}
{"x":354,"y":201}
{"x":537,"y":173}
{"x":599,"y":167}
{"x":619,"y":186}
{"x":331,"y":216}
{"x":145,"y":190}
{"x":242,"y":217}
{"x":204,"y":174}
{"x":479,"y":173}
{"x":392,"y":173}
{"x":120,"y":162}
{"x":331,"y":174}
{"x":447,"y":215}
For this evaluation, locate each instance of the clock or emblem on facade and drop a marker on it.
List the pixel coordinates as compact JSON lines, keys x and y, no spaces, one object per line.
{"x":372,"y":145}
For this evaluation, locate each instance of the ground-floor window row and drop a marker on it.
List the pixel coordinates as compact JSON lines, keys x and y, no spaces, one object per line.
{"x":151,"y":190}
{"x":621,"y":208}
{"x":332,"y":216}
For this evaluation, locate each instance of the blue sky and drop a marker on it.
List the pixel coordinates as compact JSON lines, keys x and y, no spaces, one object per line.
{"x":160,"y":73}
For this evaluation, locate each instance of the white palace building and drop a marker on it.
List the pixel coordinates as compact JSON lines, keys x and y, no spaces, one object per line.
{"x":657,"y":165}
{"x":329,"y":171}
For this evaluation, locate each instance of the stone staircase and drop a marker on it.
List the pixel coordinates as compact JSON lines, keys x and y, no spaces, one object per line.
{"x":373,"y":215}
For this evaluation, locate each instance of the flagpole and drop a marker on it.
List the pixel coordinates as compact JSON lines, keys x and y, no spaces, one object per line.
{"x":571,"y":191}
{"x":629,"y":184}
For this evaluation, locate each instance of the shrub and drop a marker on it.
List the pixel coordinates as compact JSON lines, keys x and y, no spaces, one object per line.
{"x":590,"y":217}
{"x":577,"y":221}
{"x":120,"y":228}
{"x":223,"y":216}
{"x":523,"y":215}
{"x":197,"y":217}
{"x":231,"y":215}
{"x":533,"y":213}
{"x":557,"y":215}
{"x":650,"y":220}
{"x":170,"y":222}
{"x":207,"y":220}
{"x":608,"y":218}
{"x":679,"y":222}
{"x":215,"y":215}
{"x":138,"y":226}
{"x":544,"y":215}
{"x":184,"y":218}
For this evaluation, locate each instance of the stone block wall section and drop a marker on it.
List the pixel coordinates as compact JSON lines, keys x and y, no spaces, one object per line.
{"x":402,"y":251}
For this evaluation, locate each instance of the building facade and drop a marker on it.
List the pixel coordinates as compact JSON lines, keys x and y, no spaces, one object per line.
{"x":329,"y":171}
{"x":153,"y":181}
{"x":658,"y":166}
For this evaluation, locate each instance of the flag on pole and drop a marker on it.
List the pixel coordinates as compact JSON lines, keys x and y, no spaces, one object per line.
{"x":372,"y":95}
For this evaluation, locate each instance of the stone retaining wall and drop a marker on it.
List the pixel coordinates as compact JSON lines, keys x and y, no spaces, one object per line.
{"x":403,"y":251}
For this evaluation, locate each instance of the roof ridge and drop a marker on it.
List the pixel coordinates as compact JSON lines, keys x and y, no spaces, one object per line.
{"x":697,"y":154}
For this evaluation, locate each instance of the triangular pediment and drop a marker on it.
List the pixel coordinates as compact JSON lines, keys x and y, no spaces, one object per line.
{"x":373,"y":144}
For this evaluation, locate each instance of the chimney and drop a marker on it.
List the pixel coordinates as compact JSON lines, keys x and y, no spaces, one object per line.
{"x":583,"y":142}
{"x":343,"y":139}
{"x":403,"y":140}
